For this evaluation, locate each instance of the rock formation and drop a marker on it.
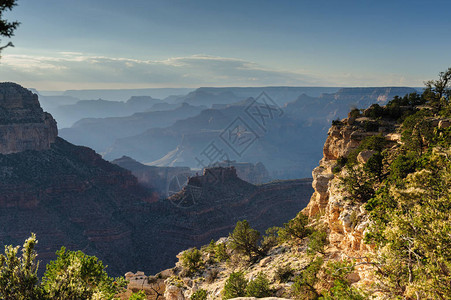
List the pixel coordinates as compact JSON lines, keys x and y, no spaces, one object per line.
{"x":23,"y":123}
{"x":329,"y":199}
{"x":253,"y":173}
{"x":164,"y":180}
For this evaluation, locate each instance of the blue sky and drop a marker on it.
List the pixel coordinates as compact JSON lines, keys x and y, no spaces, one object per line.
{"x":77,"y":44}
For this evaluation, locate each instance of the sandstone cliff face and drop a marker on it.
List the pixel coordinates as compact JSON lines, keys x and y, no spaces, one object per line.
{"x":346,"y":221}
{"x":23,"y":123}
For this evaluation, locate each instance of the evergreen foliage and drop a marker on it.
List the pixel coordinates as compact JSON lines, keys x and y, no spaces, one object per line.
{"x":259,"y":287}
{"x":7,"y":28}
{"x":245,"y":240}
{"x":337,"y":272}
{"x":192,"y":260}
{"x":411,"y":204}
{"x":141,"y":295}
{"x":283,"y":273}
{"x":18,"y":274}
{"x":295,"y":228}
{"x":235,"y":286}
{"x":317,"y":241}
{"x":304,"y":284}
{"x":73,"y":275}
{"x":199,"y":295}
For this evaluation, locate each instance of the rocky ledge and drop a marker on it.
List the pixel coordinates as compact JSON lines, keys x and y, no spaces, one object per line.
{"x":23,"y":123}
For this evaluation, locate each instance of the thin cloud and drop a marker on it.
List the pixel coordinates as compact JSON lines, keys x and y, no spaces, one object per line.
{"x":198,"y":70}
{"x":73,"y":70}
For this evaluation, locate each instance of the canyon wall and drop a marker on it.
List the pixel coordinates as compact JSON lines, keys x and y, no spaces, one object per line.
{"x":23,"y":123}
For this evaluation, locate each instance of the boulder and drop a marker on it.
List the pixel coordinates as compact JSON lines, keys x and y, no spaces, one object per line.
{"x":364,"y":156}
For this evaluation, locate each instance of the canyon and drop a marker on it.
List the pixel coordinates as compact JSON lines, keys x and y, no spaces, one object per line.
{"x":70,"y":196}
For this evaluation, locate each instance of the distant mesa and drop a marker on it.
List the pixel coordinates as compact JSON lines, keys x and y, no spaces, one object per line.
{"x":253,"y":173}
{"x":23,"y":123}
{"x":166,"y":181}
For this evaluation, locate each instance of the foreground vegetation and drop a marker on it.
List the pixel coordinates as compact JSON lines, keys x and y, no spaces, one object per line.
{"x":73,"y":275}
{"x":406,"y":189}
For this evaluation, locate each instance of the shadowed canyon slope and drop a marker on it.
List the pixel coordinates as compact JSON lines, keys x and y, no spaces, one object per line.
{"x":68,"y":195}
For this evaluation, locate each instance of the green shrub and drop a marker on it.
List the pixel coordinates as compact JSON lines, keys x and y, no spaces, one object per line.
{"x":337,"y":272}
{"x":192,"y":260}
{"x":221,"y":252}
{"x":317,"y":241}
{"x":304,"y":283}
{"x":270,"y":239}
{"x":295,"y":228}
{"x":336,"y":169}
{"x":403,"y":165}
{"x":359,"y":185}
{"x":375,"y":142}
{"x":370,"y":126}
{"x":259,"y":287}
{"x":375,"y":111}
{"x":399,"y":108}
{"x":75,"y":275}
{"x":235,"y":286}
{"x":417,"y":133}
{"x":283,"y":274}
{"x":141,"y":295}
{"x":18,"y":275}
{"x":341,"y":162}
{"x":211,"y":248}
{"x":336,"y":122}
{"x":354,"y":113}
{"x":245,"y":240}
{"x":199,"y":295}
{"x":374,"y":166}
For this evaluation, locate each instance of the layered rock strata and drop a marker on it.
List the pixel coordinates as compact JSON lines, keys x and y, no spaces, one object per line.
{"x":23,"y":123}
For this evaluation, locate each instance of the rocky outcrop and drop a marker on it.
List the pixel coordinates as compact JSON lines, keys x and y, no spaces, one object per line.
{"x":154,"y":287}
{"x":253,"y":173}
{"x":23,"y":123}
{"x":346,"y":221}
{"x":166,"y":181}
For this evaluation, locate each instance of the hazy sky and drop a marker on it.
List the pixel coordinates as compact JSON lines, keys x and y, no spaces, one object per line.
{"x":77,"y":44}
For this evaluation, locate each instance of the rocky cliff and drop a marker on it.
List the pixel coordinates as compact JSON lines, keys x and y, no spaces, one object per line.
{"x":329,"y":199}
{"x":23,"y":123}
